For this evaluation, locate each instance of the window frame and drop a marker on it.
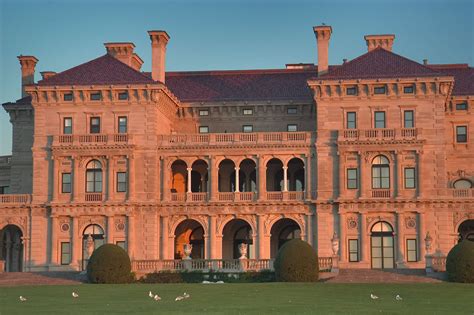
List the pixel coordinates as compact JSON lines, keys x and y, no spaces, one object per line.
{"x":380,"y":90}
{"x":244,"y":127}
{"x":462,"y":106}
{"x":351,"y":88}
{"x":68,"y":253}
{"x":203,"y":112}
{"x":119,"y":125}
{"x":292,"y":110}
{"x":290,"y":126}
{"x":347,"y":120}
{"x":93,"y":98}
{"x":95,"y":182}
{"x":406,"y":178}
{"x":98,"y":126}
{"x":121,"y":186}
{"x":412,"y":87}
{"x":352,"y":180}
{"x":405,"y":120}
{"x":380,"y":178}
{"x":408,"y":250}
{"x":247,"y":111}
{"x":459,"y":136}
{"x":120,"y":96}
{"x":351,"y":251}
{"x":68,"y":97}
{"x":203,"y":129}
{"x":66,"y":184}
{"x":384,"y":119}
{"x":64,"y":126}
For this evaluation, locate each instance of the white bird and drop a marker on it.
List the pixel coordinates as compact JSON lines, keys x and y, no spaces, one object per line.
{"x":205,"y":282}
{"x":23,"y":299}
{"x":398,"y":297}
{"x":156,"y":297}
{"x":179,"y":298}
{"x":220,"y":282}
{"x":150,"y":294}
{"x":186,"y":296}
{"x":75,"y":295}
{"x":373,"y":297}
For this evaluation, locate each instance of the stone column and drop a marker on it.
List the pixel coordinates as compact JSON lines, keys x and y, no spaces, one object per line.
{"x":309,"y":229}
{"x":214,"y":179}
{"x":110,"y":229}
{"x":394,"y":191}
{"x":54,"y":241}
{"x":212,"y":237}
{"x":261,"y":236}
{"x":421,"y":236}
{"x":164,"y":238}
{"x":166,"y":180}
{"x":131,"y":177}
{"x":56,"y":179}
{"x":75,"y":186}
{"x":342,"y":174}
{"x":110,"y":180}
{"x":131,"y":236}
{"x":158,"y":180}
{"x":364,"y":181}
{"x":158,"y":237}
{"x":342,"y":237}
{"x":307,"y":177}
{"x":76,"y":243}
{"x":189,"y":169}
{"x":261,"y":179}
{"x":419,"y":177}
{"x":237,"y":169}
{"x":364,"y":240}
{"x":285,"y":178}
{"x":401,"y":259}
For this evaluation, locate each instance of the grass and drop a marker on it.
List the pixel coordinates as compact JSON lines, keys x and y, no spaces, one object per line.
{"x":264,"y":298}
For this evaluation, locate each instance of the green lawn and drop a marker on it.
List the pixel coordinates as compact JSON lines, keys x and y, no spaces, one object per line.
{"x":268,"y":298}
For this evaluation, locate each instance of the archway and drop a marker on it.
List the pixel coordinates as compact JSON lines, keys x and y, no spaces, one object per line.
{"x":226,"y":169}
{"x":274,"y":175}
{"x":466,"y":230}
{"x":248,"y":176}
{"x":199,"y":176}
{"x":189,"y":232}
{"x":296,"y":175}
{"x":179,"y":176}
{"x":11,"y":250}
{"x":236,"y":232}
{"x":382,"y":249}
{"x":92,"y":238}
{"x":281,"y":232}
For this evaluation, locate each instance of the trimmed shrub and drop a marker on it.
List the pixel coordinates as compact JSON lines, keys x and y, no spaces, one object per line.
{"x":109,"y":264}
{"x":460,"y":262}
{"x":296,"y":261}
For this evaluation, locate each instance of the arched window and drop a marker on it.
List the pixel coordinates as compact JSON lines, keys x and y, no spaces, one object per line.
{"x":382,"y":227}
{"x":94,"y":177}
{"x":462,"y":184}
{"x":380,"y":172}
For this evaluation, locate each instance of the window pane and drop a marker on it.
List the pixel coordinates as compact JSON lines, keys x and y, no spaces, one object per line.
{"x":385,"y":184}
{"x":376,"y":241}
{"x":379,"y":120}
{"x":292,"y":110}
{"x":385,"y":171}
{"x":204,"y":112}
{"x":65,"y":253}
{"x":461,"y":134}
{"x":351,"y":120}
{"x":248,"y":111}
{"x":123,"y":96}
{"x":387,"y":241}
{"x":95,"y":125}
{"x":461,"y":106}
{"x":203,"y":129}
{"x":408,"y":119}
{"x":67,"y":128}
{"x":292,"y":128}
{"x":376,"y":263}
{"x":247,"y":128}
{"x":388,"y":263}
{"x":122,"y":124}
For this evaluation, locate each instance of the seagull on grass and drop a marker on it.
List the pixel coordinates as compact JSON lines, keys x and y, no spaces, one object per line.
{"x":398,"y":297}
{"x":157,"y":297}
{"x":150,"y":294}
{"x":186,"y":295}
{"x":75,"y":295}
{"x":373,"y":296}
{"x":22,"y":298}
{"x":179,"y":298}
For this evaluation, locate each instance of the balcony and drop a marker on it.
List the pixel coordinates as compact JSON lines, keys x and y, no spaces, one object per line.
{"x":93,"y":197}
{"x":380,"y":193}
{"x":235,"y":138}
{"x":378,"y":134}
{"x":237,"y":196}
{"x":11,"y":199}
{"x":462,"y":193}
{"x":92,"y":139}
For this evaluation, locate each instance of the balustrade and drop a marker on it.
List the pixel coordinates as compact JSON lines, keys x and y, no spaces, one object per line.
{"x":381,"y":193}
{"x":378,"y":134}
{"x":93,"y":197}
{"x":91,"y":139}
{"x":463,"y":193}
{"x":15,"y":199}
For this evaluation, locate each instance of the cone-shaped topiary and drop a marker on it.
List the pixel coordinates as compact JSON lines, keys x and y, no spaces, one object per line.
{"x":296,"y":261}
{"x":109,"y":264}
{"x":460,"y":262}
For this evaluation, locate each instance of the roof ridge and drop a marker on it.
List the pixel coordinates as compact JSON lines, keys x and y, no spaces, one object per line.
{"x":233,"y":72}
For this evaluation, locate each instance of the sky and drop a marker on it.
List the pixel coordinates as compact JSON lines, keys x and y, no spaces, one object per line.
{"x":223,"y":35}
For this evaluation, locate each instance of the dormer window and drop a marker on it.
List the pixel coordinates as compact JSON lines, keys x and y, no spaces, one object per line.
{"x":248,"y":111}
{"x":461,"y":106}
{"x":409,"y":89}
{"x":67,"y":97}
{"x":352,"y":90}
{"x":96,"y":96}
{"x":203,"y":112}
{"x":123,"y":96}
{"x":379,"y":90}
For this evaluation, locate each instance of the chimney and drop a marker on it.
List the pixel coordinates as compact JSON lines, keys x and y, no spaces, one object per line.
{"x":136,"y":62}
{"x":28,"y":64}
{"x":425,"y":61}
{"x":384,"y":41}
{"x":159,"y":39}
{"x":323,"y":34}
{"x":121,"y":51}
{"x":47,"y":74}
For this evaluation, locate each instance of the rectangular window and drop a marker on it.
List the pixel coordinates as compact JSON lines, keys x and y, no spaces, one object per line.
{"x":292,"y":128}
{"x":247,"y":128}
{"x":291,"y":110}
{"x":67,"y":97}
{"x":352,"y":178}
{"x":408,"y":89}
{"x":412,"y":254}
{"x":203,"y":112}
{"x":410,"y":178}
{"x":66,"y":183}
{"x":65,"y":253}
{"x":353,"y":250}
{"x":351,"y":90}
{"x":96,"y":96}
{"x":461,"y":106}
{"x":123,"y":96}
{"x":248,"y":111}
{"x":461,"y":134}
{"x":95,"y":125}
{"x":122,"y":124}
{"x":121,"y":244}
{"x":121,"y":182}
{"x":203,"y":129}
{"x":67,"y":125}
{"x":379,"y":120}
{"x":351,"y":120}
{"x":4,"y":190}
{"x":408,"y":119}
{"x":379,"y":90}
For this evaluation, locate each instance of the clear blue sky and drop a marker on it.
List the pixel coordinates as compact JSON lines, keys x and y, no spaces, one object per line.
{"x":223,"y":34}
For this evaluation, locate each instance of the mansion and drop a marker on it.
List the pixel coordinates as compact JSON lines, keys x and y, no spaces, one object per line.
{"x":370,"y":161}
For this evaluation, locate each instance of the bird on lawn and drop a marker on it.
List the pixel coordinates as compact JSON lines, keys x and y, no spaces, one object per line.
{"x":398,"y":297}
{"x":156,"y":297}
{"x":186,"y":296}
{"x":373,"y":296}
{"x":75,"y":295}
{"x":150,"y":294}
{"x":179,"y":298}
{"x":23,"y":299}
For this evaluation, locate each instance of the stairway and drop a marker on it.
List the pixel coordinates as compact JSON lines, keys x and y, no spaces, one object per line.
{"x":40,"y":278}
{"x":382,"y":276}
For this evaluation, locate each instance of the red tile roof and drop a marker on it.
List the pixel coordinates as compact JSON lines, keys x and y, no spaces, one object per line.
{"x":463,"y":77}
{"x":380,"y":63}
{"x":102,"y":70}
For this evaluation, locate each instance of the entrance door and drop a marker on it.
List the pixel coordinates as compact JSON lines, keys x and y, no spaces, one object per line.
{"x":382,"y":249}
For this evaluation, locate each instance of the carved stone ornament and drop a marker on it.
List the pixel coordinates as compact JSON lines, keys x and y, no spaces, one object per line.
{"x":352,"y":223}
{"x":410,"y":223}
{"x":64,"y":227}
{"x":119,"y":224}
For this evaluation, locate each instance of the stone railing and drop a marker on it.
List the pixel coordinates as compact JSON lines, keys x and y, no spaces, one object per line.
{"x":379,"y":134}
{"x":463,"y":193}
{"x":15,"y":199}
{"x":93,"y":197}
{"x":235,"y":138}
{"x":92,"y":139}
{"x":226,"y":265}
{"x":380,"y":193}
{"x":435,"y":262}
{"x":236,"y":196}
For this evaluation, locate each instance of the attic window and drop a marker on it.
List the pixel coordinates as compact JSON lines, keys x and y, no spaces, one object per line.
{"x":67,"y":97}
{"x":248,"y":111}
{"x":461,"y":106}
{"x":123,"y":96}
{"x":96,"y":96}
{"x":379,"y":90}
{"x":409,"y":89}
{"x":352,"y":90}
{"x":292,"y":111}
{"x":203,"y":112}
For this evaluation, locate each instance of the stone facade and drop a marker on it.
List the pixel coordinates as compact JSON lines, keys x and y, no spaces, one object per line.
{"x":251,"y":157}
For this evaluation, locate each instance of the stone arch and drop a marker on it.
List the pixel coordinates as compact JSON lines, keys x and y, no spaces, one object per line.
{"x":12,"y":247}
{"x":226,"y":167}
{"x":177,"y":220}
{"x":465,"y":230}
{"x":220,"y":226}
{"x":189,"y":232}
{"x":93,"y":236}
{"x":274,"y":174}
{"x":235,"y":232}
{"x":179,"y":176}
{"x":282,"y":230}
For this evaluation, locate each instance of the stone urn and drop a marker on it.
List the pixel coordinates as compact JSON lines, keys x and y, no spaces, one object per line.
{"x":188,"y":248}
{"x":243,"y":251}
{"x":89,"y":246}
{"x":335,"y":244}
{"x":428,"y":240}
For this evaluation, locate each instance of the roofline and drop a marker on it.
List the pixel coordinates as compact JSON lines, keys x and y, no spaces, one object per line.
{"x":230,"y":72}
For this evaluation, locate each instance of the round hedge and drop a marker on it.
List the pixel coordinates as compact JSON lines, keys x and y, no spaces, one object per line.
{"x":460,"y":262}
{"x":109,"y":264}
{"x":296,"y":261}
